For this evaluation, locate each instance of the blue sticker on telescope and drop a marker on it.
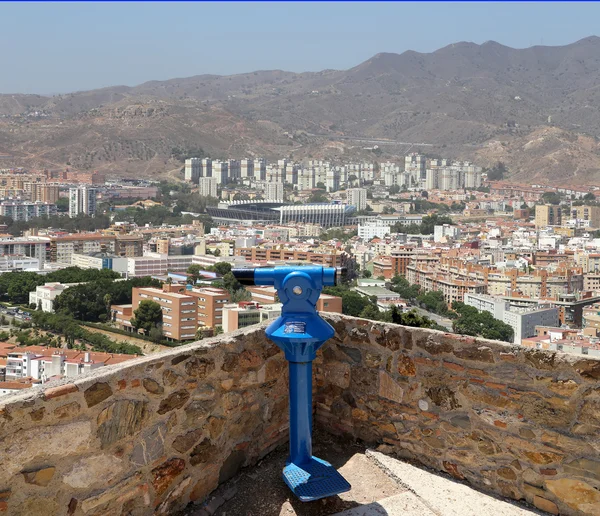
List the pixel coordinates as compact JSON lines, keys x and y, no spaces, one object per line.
{"x":295,"y":327}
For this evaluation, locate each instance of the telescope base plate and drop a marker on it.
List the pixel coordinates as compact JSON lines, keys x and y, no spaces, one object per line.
{"x":315,"y":480}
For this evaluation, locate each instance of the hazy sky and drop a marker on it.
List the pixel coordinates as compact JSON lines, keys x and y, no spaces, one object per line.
{"x":60,"y":47}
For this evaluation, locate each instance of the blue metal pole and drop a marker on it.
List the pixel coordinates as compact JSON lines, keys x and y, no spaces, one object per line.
{"x":300,"y":412}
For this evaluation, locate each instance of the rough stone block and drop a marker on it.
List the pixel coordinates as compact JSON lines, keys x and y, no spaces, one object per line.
{"x":120,"y":419}
{"x":576,"y":494}
{"x":151,"y":446}
{"x":545,"y":505}
{"x":152,"y":386}
{"x":61,"y":390}
{"x":173,"y":401}
{"x":40,"y":477}
{"x":165,"y":474}
{"x":97,"y":470}
{"x":97,"y":393}
{"x":389,"y":388}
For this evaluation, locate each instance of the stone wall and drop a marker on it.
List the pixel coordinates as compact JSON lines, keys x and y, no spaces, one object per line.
{"x":154,"y":434}
{"x":150,"y":435}
{"x":522,"y":423}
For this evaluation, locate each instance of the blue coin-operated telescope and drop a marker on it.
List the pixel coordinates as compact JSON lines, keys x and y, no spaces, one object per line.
{"x":300,"y":332}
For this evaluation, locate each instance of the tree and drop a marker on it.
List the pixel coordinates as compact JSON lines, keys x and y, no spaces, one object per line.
{"x":471,"y":321}
{"x":352,"y":302}
{"x":370,"y":312}
{"x":194,"y":273}
{"x":321,"y":185}
{"x":156,"y":334}
{"x":497,"y":172}
{"x":551,"y":198}
{"x":366,"y":273}
{"x":434,"y":302}
{"x":222,"y":268}
{"x":218,"y":330}
{"x":147,"y":315}
{"x":394,"y":189}
{"x":318,"y":196}
{"x":589,"y":197}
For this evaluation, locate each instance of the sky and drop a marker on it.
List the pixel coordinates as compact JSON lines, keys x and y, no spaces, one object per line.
{"x":51,"y":48}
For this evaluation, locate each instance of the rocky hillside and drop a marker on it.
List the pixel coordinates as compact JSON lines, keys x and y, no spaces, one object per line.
{"x":536,"y":109}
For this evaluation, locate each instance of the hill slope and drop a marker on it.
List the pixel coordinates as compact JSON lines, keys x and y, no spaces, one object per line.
{"x":535,"y":108}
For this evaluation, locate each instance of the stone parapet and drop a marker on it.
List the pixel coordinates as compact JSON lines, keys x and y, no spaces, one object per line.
{"x":518,"y":422}
{"x":146,"y":436}
{"x":151,"y":435}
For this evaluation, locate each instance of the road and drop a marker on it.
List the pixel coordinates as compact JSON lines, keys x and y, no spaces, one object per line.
{"x":442,"y":321}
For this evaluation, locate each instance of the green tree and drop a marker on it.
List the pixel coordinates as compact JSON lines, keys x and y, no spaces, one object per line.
{"x":551,"y":198}
{"x":370,"y":312}
{"x":156,"y":334}
{"x":471,"y":321}
{"x":589,"y":197}
{"x":147,"y":315}
{"x":318,"y":196}
{"x":222,"y":268}
{"x":497,"y":172}
{"x":194,"y":273}
{"x":394,"y":189}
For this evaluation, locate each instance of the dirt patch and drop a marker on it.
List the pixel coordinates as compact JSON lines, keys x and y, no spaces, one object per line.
{"x":148,"y":348}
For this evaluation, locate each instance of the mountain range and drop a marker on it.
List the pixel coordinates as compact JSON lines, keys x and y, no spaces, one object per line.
{"x":535,"y":109}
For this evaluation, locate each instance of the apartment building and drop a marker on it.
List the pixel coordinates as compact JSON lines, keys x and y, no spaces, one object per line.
{"x":42,"y":363}
{"x":247,"y":313}
{"x":358,"y":197}
{"x":62,"y":247}
{"x":193,"y":167}
{"x":42,"y":192}
{"x":210,"y":303}
{"x":27,"y":247}
{"x":547,"y":215}
{"x":25,"y":210}
{"x":264,"y":254}
{"x":179,"y":310}
{"x":207,"y":186}
{"x":274,"y":192}
{"x":82,"y":200}
{"x":156,"y":264}
{"x":590,"y":214}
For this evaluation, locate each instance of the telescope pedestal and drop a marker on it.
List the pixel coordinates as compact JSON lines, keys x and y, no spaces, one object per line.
{"x":310,"y":478}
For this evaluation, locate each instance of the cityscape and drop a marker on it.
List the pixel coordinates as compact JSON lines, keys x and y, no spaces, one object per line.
{"x":345,"y":266}
{"x":421,"y":235}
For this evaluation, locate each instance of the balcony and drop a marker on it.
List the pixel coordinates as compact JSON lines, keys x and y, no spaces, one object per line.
{"x":154,"y":435}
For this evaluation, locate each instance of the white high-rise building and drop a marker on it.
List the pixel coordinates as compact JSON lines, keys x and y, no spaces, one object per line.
{"x":220,"y":171}
{"x":193,"y":169}
{"x":207,"y":186}
{"x":260,"y":169}
{"x":274,"y":192}
{"x":358,"y":197}
{"x":247,"y":168}
{"x":82,"y":200}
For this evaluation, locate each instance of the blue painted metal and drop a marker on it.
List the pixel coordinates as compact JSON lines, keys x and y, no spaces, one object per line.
{"x":300,"y":332}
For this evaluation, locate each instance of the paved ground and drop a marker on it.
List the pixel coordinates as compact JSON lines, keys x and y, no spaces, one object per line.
{"x":381,"y":486}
